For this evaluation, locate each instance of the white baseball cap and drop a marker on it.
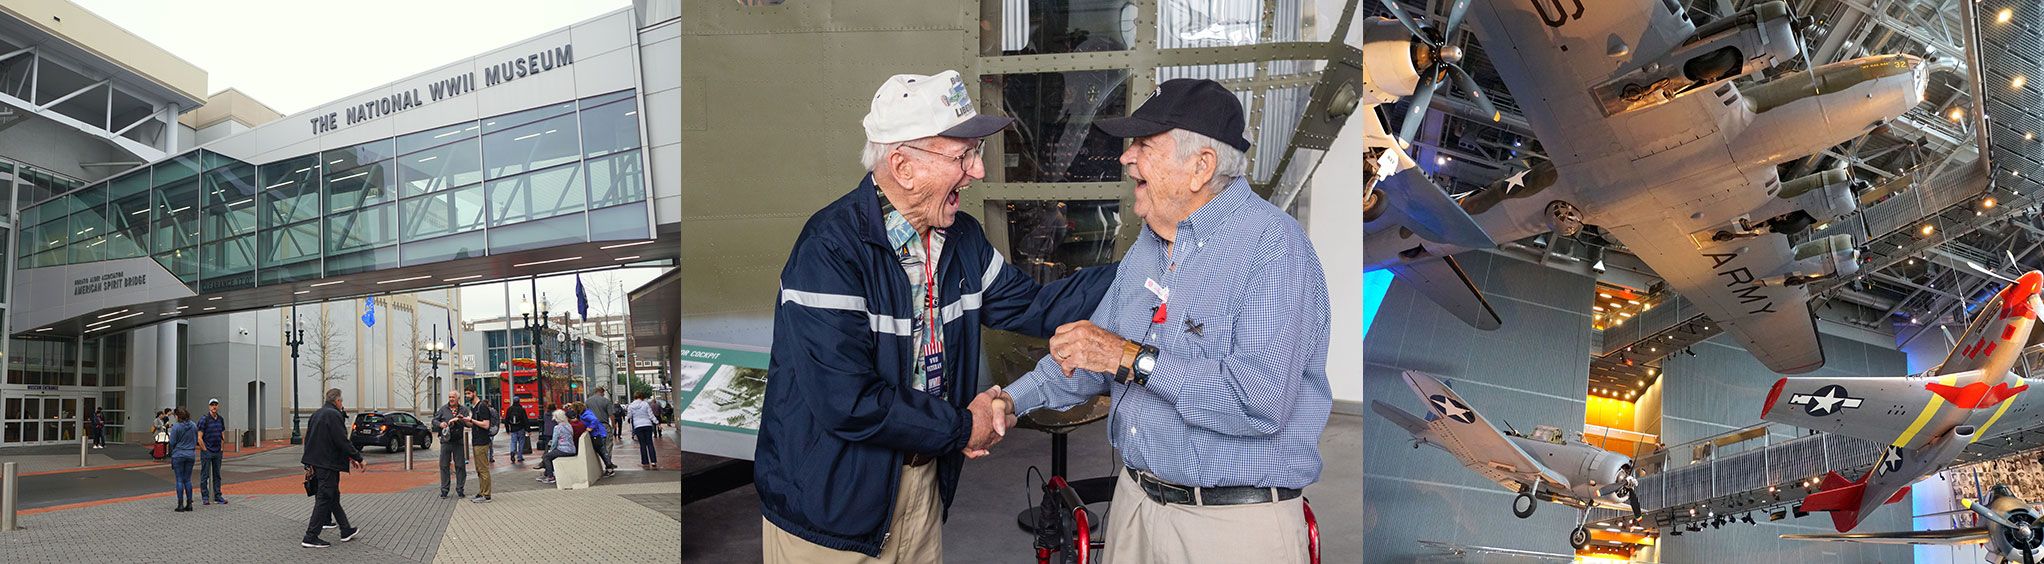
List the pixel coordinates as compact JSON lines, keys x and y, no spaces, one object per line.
{"x":913,"y":106}
{"x":214,"y":401}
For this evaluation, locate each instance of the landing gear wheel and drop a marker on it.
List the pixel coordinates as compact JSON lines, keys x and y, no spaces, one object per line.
{"x":1579,"y":538}
{"x":1525,"y":500}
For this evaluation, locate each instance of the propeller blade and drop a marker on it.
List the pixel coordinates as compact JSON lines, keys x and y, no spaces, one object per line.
{"x":1632,"y":498}
{"x":1399,"y":12}
{"x":1409,"y":129}
{"x":1988,"y":514}
{"x":1454,"y":29}
{"x":1476,"y":94}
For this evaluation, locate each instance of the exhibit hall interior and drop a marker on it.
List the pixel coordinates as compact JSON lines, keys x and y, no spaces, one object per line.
{"x":1702,"y":281}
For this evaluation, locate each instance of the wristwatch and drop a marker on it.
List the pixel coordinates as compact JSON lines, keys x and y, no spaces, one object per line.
{"x":1137,"y":361}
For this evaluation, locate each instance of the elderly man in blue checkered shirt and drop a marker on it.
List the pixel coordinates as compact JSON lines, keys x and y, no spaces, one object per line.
{"x":1212,"y":342}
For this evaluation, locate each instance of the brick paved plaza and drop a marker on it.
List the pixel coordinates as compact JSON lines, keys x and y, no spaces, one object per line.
{"x":632,"y":517}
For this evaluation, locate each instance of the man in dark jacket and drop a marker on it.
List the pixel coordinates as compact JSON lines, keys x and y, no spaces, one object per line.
{"x":514,"y":422}
{"x":451,"y":420}
{"x":327,"y":454}
{"x":873,"y":397}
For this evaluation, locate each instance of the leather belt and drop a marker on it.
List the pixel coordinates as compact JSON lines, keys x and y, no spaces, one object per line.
{"x":916,"y":459}
{"x":1168,"y":493}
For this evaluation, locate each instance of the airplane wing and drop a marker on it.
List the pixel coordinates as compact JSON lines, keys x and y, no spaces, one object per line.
{"x":1465,"y":434}
{"x":1412,"y":201}
{"x":1724,"y":278}
{"x":1444,"y":282}
{"x":1879,"y":409}
{"x":1551,"y":54}
{"x":1969,"y":535}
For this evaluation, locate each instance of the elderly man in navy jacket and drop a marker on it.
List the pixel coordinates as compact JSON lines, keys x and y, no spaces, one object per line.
{"x":870,"y":403}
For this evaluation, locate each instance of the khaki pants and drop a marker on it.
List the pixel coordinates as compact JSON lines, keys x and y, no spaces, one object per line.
{"x":482,"y":459}
{"x":1140,"y":530}
{"x":916,"y":531}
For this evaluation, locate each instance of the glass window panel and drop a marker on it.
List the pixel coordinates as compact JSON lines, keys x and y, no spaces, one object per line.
{"x":442,"y":213}
{"x":87,"y":250}
{"x":616,"y":179}
{"x":230,"y":209}
{"x":227,"y":264}
{"x":88,"y":215}
{"x":515,"y":119}
{"x":440,"y":168}
{"x":436,"y":137}
{"x":176,"y":168}
{"x":531,"y":146}
{"x":542,"y":194}
{"x":359,"y":229}
{"x":1049,"y":240}
{"x":601,"y":99}
{"x":360,"y":261}
{"x":1054,"y":139}
{"x":290,"y":191}
{"x":176,"y":212}
{"x":181,"y":262}
{"x":562,"y":230}
{"x":289,"y":244}
{"x":1069,"y":26}
{"x":610,"y":128}
{"x":357,"y":187}
{"x":30,"y":215}
{"x":450,"y":247}
{"x":48,"y":238}
{"x":59,"y":207}
{"x":619,"y":222}
{"x":351,"y":157}
{"x":37,"y":185}
{"x":128,"y":225}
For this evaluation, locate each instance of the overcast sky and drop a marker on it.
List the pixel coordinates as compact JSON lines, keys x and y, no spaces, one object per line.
{"x":294,"y":55}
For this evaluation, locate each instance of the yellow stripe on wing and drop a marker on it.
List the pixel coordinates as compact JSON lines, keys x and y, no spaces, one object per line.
{"x":1924,"y":417}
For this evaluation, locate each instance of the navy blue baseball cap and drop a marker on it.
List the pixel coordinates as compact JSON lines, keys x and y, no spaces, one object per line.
{"x":1197,"y":105}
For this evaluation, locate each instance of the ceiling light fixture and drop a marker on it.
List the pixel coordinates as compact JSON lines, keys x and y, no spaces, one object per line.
{"x":537,"y":263}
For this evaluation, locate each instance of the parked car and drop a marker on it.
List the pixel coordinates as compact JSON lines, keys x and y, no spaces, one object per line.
{"x":388,"y":430}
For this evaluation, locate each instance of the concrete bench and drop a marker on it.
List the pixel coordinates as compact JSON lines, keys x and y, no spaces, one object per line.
{"x":579,"y":471}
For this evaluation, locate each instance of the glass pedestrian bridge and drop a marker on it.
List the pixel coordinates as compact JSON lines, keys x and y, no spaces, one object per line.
{"x":561,"y":187}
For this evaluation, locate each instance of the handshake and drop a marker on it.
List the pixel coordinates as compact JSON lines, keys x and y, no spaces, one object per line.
{"x":993,"y":412}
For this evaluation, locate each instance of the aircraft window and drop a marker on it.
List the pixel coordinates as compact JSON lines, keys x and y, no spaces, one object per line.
{"x":1038,"y":27}
{"x":1226,"y":23}
{"x":1053,"y":139}
{"x":1049,"y":240}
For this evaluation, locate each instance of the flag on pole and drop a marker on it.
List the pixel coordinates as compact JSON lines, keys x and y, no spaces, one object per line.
{"x":369,"y":315}
{"x":450,"y":329}
{"x":581,"y":298}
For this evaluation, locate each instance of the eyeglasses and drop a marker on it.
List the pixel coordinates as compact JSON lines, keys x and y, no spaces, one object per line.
{"x":964,"y":165}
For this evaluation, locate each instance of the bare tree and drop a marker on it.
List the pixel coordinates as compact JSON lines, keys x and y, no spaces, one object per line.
{"x":325,"y":354}
{"x":417,"y":376}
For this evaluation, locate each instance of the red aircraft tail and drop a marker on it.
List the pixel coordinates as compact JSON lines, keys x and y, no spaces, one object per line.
{"x":1841,"y":497}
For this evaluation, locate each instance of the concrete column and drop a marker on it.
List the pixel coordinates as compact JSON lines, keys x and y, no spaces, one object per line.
{"x":166,"y":366}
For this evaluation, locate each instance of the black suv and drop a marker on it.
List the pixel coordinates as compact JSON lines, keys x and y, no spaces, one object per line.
{"x":389,"y":430}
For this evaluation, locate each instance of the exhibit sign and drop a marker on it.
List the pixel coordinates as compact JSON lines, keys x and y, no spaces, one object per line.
{"x":722,"y":391}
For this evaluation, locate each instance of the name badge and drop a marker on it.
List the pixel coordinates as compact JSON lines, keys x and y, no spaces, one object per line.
{"x":933,"y":374}
{"x":1163,"y":293}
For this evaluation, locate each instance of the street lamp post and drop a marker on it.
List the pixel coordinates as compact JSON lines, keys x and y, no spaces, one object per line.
{"x":538,"y":333}
{"x":434,"y":352}
{"x":294,"y":337}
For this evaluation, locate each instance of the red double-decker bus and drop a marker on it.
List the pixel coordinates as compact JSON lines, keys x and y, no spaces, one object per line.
{"x":522,"y":382}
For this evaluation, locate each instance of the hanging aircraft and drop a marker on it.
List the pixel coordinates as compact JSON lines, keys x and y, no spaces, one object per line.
{"x":1402,"y":59}
{"x":2010,"y":533}
{"x":1646,"y":134}
{"x":1928,"y":419}
{"x":1544,"y":465}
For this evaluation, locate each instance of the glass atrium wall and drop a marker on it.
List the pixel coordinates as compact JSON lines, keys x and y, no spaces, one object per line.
{"x":554,"y":175}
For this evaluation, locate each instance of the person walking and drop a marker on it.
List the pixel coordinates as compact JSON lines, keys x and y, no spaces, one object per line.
{"x":481,"y":424}
{"x":162,"y":433}
{"x":98,"y":428}
{"x":514,"y":421}
{"x":643,"y":426}
{"x":184,"y":439}
{"x":210,"y":428}
{"x":327,"y":454}
{"x":453,"y":450}
{"x":562,"y":443}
